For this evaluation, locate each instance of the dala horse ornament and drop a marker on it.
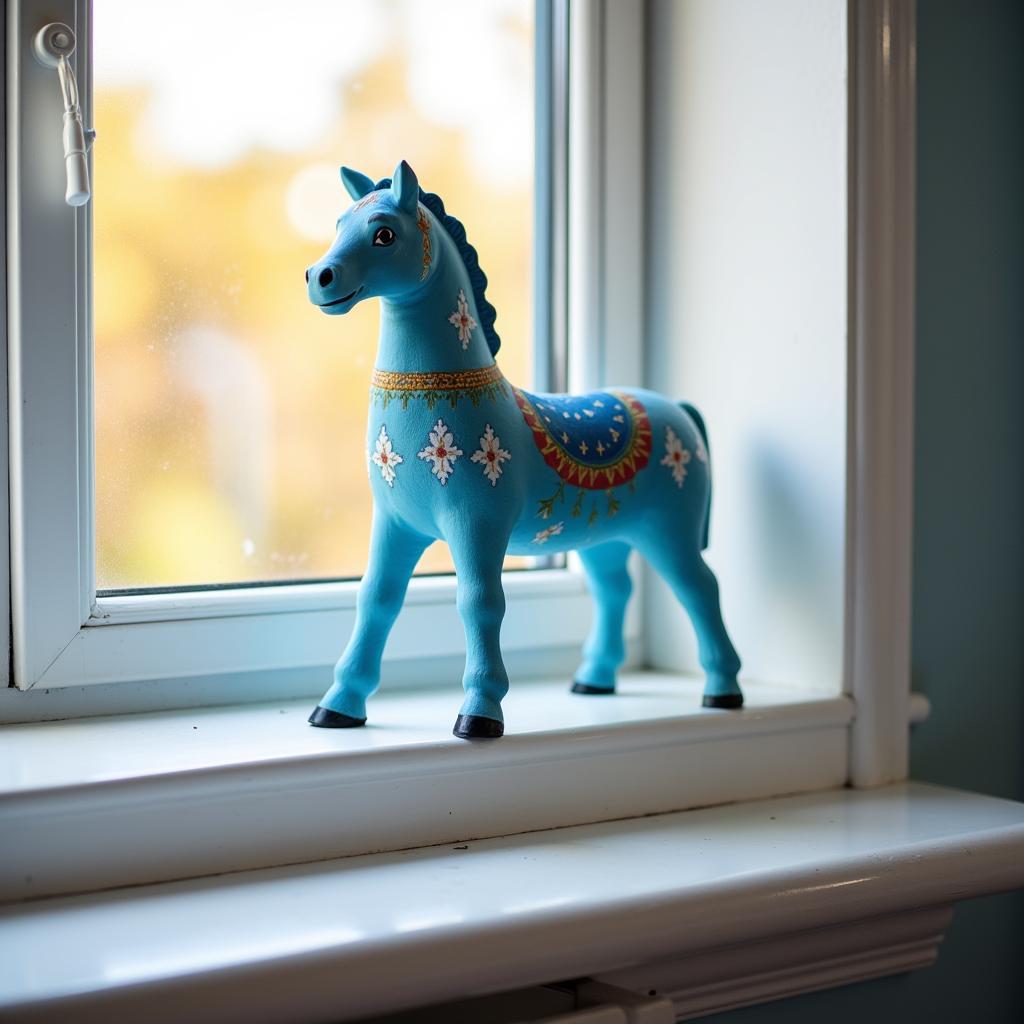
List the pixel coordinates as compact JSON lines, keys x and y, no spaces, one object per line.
{"x":457,"y":453}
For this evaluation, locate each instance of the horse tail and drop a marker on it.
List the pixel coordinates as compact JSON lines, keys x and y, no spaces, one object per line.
{"x":699,"y":420}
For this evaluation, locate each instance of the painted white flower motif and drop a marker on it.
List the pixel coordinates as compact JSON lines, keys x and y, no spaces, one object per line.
{"x":491,"y":455}
{"x":551,"y":531}
{"x":462,"y":319}
{"x":441,"y":451}
{"x":700,"y":451}
{"x":676,"y":456}
{"x":385,"y":457}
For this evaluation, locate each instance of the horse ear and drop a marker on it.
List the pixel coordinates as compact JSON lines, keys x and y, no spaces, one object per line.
{"x":356,"y":183}
{"x":405,"y":188}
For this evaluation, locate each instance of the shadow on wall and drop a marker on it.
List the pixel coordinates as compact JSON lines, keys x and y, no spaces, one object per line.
{"x":793,"y":539}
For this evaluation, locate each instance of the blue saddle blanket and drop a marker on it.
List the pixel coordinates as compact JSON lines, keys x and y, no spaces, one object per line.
{"x":597,"y":440}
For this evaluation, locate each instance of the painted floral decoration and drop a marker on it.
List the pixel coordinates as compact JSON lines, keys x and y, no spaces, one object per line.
{"x":462,"y":319}
{"x":700,"y":451}
{"x":491,"y":455}
{"x":550,"y":531}
{"x":676,"y":456}
{"x":385,"y":457}
{"x":441,"y":452}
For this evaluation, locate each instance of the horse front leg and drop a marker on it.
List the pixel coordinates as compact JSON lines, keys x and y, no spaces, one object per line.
{"x":394,"y":551}
{"x":478,"y":555}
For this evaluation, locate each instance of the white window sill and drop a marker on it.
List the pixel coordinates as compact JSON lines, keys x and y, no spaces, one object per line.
{"x":713,"y":908}
{"x":99,"y":803}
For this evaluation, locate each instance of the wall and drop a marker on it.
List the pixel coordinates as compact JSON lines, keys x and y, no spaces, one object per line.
{"x":746,"y":283}
{"x":969,"y":484}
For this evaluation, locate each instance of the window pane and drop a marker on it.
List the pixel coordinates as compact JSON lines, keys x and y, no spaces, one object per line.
{"x":231,"y":414}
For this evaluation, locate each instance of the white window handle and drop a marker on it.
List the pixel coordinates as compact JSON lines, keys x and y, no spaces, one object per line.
{"x":53,"y":44}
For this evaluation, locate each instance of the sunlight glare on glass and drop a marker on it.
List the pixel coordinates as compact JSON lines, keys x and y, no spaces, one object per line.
{"x":313,"y":201}
{"x":228,"y":76}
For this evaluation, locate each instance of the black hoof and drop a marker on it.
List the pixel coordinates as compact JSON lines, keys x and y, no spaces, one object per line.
{"x":324,"y":718}
{"x":594,"y":691}
{"x":476,"y":727}
{"x":728,"y":700}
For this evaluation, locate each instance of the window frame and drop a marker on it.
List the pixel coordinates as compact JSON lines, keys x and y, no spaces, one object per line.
{"x":5,"y":508}
{"x":881,"y":192}
{"x":63,"y":633}
{"x":881,"y":237}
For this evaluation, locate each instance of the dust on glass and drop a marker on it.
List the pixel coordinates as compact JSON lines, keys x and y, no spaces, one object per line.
{"x":230,"y":416}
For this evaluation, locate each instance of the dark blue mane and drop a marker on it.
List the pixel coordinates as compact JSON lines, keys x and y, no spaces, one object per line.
{"x":477,"y":278}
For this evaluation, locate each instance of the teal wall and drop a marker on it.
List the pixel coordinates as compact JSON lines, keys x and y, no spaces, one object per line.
{"x":968,"y":643}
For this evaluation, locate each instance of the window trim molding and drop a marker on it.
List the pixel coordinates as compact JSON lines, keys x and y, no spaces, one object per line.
{"x":550,"y":223}
{"x":551,"y":611}
{"x":607,"y":99}
{"x":811,"y":892}
{"x":881,"y":123}
{"x":44,"y":463}
{"x":148,"y":815}
{"x":606,"y":52}
{"x":5,"y":506}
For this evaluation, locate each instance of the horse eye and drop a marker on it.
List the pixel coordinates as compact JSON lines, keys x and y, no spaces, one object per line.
{"x":384,"y":236}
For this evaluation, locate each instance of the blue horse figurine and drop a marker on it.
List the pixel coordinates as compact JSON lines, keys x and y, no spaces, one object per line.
{"x":456,"y":453}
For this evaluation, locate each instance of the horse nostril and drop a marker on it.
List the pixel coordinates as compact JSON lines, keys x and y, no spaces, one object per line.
{"x":307,"y":275}
{"x":325,"y":277}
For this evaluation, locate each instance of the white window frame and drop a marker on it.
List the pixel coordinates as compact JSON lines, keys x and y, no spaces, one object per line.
{"x":882,"y":133}
{"x":62,"y":638}
{"x":63,"y":634}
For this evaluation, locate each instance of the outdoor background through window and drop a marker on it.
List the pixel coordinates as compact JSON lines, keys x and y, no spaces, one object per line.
{"x":231,"y":414}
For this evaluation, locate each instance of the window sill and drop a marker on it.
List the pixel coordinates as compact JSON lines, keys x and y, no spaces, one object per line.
{"x":100,"y":803}
{"x":714,"y":908}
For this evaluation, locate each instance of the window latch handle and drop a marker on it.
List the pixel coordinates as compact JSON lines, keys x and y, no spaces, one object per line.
{"x":53,"y":45}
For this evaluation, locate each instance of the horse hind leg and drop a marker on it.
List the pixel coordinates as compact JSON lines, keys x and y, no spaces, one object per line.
{"x":610,"y":586}
{"x":696,"y":588}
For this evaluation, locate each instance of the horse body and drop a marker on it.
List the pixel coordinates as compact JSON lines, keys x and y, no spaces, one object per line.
{"x":455,"y":452}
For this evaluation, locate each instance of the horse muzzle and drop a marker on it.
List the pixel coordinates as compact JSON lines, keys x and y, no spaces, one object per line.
{"x":327,"y":289}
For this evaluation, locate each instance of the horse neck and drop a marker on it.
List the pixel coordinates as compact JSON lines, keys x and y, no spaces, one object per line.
{"x":416,"y":335}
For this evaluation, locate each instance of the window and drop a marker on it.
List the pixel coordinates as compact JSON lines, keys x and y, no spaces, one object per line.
{"x":614,"y":206}
{"x":195,"y":428}
{"x":607,"y":205}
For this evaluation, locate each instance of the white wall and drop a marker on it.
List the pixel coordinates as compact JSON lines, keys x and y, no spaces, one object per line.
{"x":746,"y":312}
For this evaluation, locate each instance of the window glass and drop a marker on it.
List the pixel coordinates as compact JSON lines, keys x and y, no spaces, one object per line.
{"x":230,"y":414}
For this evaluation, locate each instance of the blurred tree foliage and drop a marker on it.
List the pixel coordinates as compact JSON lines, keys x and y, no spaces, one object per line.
{"x":230,"y":414}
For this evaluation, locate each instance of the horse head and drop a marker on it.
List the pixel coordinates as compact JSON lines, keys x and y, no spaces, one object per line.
{"x":379,"y":249}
